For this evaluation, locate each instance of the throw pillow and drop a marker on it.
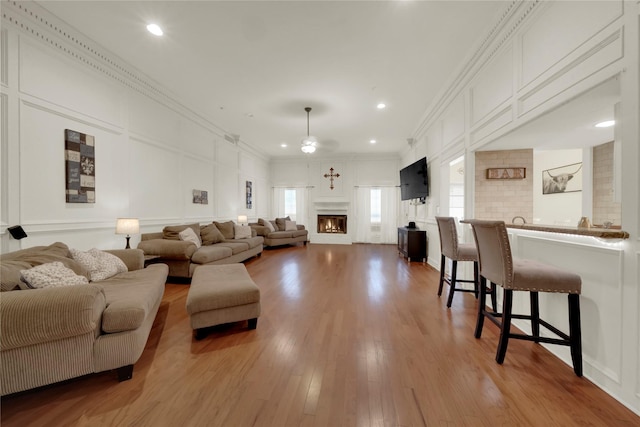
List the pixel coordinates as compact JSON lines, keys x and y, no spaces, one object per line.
{"x":172,"y":232}
{"x":51,"y":275}
{"x":210,"y":234}
{"x":266,"y":223}
{"x":188,"y":235}
{"x":226,"y":228}
{"x":290,"y":226}
{"x":280,"y":223}
{"x":242,"y":231}
{"x":101,"y":265}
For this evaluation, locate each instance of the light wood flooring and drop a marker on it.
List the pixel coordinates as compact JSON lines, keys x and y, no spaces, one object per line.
{"x":348,"y":336}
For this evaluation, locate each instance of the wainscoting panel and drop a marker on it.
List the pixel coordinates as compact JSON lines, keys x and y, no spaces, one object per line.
{"x":47,"y":75}
{"x":555,"y":35}
{"x":493,"y":124}
{"x":453,"y":121}
{"x":600,"y":268}
{"x":492,"y":87}
{"x":589,"y":60}
{"x":227,"y":203}
{"x":153,"y":120}
{"x":156,"y":174}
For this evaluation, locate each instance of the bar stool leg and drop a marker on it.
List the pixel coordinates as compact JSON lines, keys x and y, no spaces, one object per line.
{"x":535,"y":316}
{"x":575,"y":333}
{"x":505,"y":329}
{"x":442,"y":265}
{"x":494,"y":297}
{"x":481,"y":307}
{"x":476,"y":281}
{"x":452,"y":285}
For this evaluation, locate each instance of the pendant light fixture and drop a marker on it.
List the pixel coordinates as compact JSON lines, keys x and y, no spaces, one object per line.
{"x":308,"y":144}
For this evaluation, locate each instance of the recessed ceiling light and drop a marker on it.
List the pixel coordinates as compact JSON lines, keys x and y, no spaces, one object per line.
{"x":381,"y":105}
{"x":155,"y":29}
{"x":606,"y":124}
{"x":373,"y":141}
{"x":283,"y":145}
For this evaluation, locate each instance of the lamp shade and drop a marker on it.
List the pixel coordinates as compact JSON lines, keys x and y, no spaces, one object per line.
{"x":242,"y":219}
{"x":127,"y":226}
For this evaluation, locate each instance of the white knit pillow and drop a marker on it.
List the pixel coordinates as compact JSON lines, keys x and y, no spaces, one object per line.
{"x":108,"y":265}
{"x":51,"y":275}
{"x":242,"y":231}
{"x":188,"y":235}
{"x":290,"y":226}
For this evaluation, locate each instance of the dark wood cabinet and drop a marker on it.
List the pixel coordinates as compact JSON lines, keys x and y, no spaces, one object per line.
{"x":412,"y":243}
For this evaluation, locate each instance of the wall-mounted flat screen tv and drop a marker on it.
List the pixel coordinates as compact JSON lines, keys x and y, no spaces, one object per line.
{"x":414,"y":181}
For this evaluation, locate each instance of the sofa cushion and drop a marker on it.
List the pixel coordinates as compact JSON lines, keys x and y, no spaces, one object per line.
{"x":51,"y":275}
{"x":188,"y":235}
{"x":266,"y":223}
{"x":210,"y":234}
{"x":235,"y":246}
{"x":253,"y":241}
{"x":211,"y":253}
{"x":131,"y":297}
{"x":299,"y":233}
{"x":226,"y":228}
{"x":171,"y":232}
{"x":13,"y":262}
{"x":241,"y":232}
{"x":280,"y":235}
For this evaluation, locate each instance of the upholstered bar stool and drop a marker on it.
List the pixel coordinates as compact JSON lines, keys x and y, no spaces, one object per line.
{"x":450,"y":248}
{"x":513,"y":274}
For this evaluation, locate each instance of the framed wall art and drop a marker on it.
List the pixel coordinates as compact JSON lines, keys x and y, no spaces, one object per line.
{"x":200,"y":197}
{"x":80,"y":167}
{"x":565,"y":179}
{"x":249,"y":194}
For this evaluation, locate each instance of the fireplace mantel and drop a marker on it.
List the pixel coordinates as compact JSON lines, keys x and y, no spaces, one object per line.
{"x":335,"y":205}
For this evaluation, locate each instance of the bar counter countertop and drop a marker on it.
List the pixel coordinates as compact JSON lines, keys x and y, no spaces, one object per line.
{"x":593,"y":231}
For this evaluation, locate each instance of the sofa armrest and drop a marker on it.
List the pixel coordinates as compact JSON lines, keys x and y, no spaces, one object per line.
{"x":171,"y":249}
{"x":35,"y":316}
{"x":133,"y":258}
{"x":300,"y":227}
{"x":151,"y":236}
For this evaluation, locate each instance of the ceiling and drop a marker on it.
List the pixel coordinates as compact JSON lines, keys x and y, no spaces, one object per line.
{"x":251,"y":67}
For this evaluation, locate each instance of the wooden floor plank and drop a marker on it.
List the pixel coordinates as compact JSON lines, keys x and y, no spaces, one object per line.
{"x":348,"y":336}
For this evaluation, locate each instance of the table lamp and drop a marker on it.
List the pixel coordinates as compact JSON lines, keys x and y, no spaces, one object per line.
{"x":127,"y":226}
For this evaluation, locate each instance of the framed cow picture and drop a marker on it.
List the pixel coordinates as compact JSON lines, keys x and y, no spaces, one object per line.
{"x":565,"y":179}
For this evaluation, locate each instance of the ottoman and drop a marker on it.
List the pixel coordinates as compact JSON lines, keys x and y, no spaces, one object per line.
{"x":222,"y":294}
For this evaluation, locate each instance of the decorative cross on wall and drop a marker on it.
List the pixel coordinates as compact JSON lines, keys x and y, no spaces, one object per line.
{"x":331,"y":175}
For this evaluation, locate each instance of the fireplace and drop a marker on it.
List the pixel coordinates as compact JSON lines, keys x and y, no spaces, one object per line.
{"x":332,"y":224}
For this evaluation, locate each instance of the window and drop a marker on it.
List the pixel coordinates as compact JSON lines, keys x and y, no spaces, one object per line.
{"x":290,"y":202}
{"x":376,"y":205}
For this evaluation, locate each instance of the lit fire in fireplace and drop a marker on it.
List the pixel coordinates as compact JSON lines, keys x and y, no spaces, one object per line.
{"x":332,"y":224}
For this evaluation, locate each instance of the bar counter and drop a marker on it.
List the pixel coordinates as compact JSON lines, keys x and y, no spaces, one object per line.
{"x":600,"y":232}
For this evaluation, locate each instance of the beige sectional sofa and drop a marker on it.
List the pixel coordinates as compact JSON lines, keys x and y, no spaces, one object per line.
{"x":276,"y":232}
{"x":220,"y":244}
{"x":56,"y":333}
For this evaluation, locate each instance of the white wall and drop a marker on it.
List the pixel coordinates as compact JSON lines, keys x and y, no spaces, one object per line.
{"x":151,"y":151}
